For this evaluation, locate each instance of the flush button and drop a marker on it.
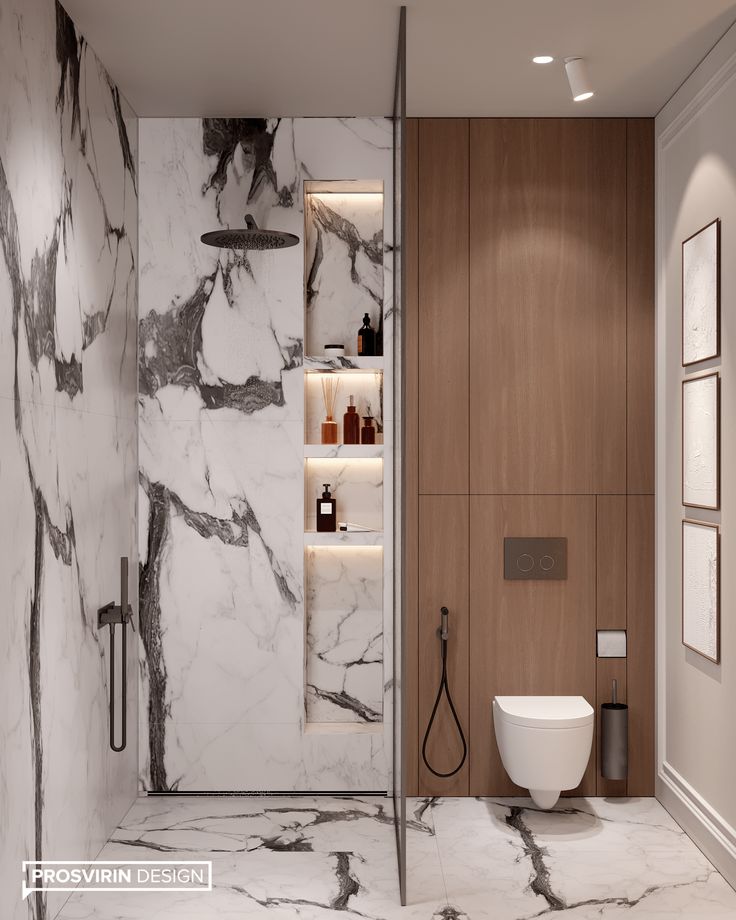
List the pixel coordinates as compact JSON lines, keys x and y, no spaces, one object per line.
{"x":543,"y":558}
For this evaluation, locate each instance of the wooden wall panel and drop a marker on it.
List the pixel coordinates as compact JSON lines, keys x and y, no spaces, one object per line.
{"x":443,"y":580}
{"x":528,"y":637}
{"x":611,"y":562}
{"x":640,"y":305}
{"x":410,"y":459}
{"x":529,"y":364}
{"x":640,"y":664}
{"x":548,"y":305}
{"x":443,"y":298}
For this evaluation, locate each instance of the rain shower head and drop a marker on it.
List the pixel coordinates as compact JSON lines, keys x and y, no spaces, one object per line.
{"x":252,"y":237}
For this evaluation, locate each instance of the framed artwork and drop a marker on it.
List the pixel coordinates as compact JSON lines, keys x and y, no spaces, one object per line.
{"x":701,"y":436}
{"x":701,"y":295}
{"x":701,"y":589}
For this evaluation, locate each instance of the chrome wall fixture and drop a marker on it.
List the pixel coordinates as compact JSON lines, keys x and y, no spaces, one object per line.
{"x":110,"y":615}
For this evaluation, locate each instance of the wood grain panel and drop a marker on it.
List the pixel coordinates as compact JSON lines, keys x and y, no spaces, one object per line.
{"x":640,"y":627}
{"x":443,"y":296}
{"x":640,"y":305}
{"x":443,"y":580}
{"x":611,"y":562}
{"x":608,"y":669}
{"x":410,"y":460}
{"x":528,"y":637}
{"x":548,"y":305}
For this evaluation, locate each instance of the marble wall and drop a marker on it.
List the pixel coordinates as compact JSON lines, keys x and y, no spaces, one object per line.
{"x":68,"y":235}
{"x":226,"y":638}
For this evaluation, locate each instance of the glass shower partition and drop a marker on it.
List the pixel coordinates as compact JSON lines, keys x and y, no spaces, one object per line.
{"x":399,"y":126}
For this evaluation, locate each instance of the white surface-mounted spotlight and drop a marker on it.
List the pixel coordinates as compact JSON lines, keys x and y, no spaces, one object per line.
{"x":543,"y":59}
{"x":577,"y":76}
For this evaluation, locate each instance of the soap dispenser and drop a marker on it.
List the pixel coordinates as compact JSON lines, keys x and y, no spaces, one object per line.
{"x":326,"y":511}
{"x":351,"y":424}
{"x":366,"y":338}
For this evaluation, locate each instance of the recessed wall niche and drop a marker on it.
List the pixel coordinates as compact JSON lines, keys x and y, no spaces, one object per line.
{"x":343,"y":237}
{"x":345,"y":579}
{"x":365,"y":386}
{"x":344,"y":673}
{"x":357,"y":484}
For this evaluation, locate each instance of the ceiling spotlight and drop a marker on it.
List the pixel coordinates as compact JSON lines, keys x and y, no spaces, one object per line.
{"x":577,"y":77}
{"x":543,"y":59}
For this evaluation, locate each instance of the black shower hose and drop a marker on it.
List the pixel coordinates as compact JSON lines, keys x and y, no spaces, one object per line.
{"x":444,"y":687}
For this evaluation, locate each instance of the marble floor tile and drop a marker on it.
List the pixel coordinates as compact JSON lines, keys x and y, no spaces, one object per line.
{"x":315,"y":857}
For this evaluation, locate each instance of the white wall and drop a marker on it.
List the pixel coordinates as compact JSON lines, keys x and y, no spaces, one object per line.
{"x":696,"y":182}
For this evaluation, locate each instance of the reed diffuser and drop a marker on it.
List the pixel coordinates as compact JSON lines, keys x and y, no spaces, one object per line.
{"x":330,"y":386}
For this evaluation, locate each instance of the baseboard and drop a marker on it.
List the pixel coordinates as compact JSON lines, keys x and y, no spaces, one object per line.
{"x":715,"y":836}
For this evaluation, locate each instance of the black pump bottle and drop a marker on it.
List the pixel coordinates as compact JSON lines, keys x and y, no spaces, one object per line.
{"x":326,"y":512}
{"x":366,"y":338}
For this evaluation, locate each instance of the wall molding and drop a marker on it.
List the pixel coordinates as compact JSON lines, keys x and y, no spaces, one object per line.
{"x":711,"y":832}
{"x":704,"y":98}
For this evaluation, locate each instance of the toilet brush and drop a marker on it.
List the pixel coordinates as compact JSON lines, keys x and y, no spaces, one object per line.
{"x":614,"y":737}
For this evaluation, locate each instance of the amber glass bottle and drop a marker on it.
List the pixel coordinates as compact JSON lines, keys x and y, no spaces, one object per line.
{"x":368,"y":432}
{"x":351,"y":425}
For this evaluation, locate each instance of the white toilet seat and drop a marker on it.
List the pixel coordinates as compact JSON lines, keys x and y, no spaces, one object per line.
{"x":546,"y":711}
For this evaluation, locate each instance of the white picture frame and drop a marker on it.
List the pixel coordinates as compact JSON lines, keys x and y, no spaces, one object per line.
{"x":701,"y":589}
{"x":701,"y":295}
{"x":701,"y":441}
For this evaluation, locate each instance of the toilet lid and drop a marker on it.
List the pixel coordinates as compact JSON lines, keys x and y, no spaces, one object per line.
{"x":545,"y":711}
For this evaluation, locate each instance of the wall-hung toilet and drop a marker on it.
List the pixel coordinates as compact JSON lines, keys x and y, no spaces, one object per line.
{"x":544,"y":742}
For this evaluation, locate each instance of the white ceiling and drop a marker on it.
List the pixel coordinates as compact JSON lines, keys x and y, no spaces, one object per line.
{"x":337,"y":57}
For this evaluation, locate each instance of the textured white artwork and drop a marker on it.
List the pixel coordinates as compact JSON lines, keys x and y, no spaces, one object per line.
{"x":700,"y":588}
{"x":700,"y":306}
{"x":700,"y":442}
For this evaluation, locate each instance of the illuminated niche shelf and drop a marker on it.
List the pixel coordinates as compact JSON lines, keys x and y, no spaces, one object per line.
{"x":344,"y":538}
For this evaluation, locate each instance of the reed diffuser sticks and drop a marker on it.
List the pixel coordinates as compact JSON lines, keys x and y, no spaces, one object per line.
{"x":330,"y":386}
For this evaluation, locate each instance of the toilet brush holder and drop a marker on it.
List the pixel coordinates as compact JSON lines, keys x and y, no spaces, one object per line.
{"x":614,"y":738}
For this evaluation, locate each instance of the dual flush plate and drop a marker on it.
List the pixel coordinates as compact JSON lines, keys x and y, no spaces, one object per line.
{"x":535,"y":558}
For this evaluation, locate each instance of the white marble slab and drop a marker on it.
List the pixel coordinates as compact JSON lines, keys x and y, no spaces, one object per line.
{"x":306,"y":856}
{"x":344,"y":667}
{"x":222,"y":427}
{"x":68,"y":469}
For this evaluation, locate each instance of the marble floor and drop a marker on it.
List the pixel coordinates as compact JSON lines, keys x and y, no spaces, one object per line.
{"x":309,"y":858}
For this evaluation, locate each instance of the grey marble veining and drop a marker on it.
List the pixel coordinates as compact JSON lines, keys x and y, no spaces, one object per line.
{"x":68,"y":242}
{"x":345,"y":251}
{"x":309,"y":857}
{"x":344,"y":669}
{"x":224,"y":695}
